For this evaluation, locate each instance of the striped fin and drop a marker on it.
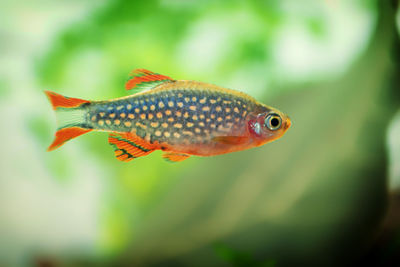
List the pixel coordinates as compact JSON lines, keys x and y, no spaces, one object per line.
{"x":175,"y":157}
{"x":142,"y":80}
{"x":129,"y":146}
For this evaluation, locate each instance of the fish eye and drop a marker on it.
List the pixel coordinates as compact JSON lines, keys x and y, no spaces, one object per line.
{"x":273,"y":122}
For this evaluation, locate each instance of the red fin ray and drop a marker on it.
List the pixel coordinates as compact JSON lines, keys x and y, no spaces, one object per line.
{"x":58,"y":100}
{"x":71,"y":119}
{"x":142,"y":79}
{"x":66,"y":134}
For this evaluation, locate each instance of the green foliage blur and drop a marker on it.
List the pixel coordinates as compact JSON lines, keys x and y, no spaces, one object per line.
{"x":318,"y":196}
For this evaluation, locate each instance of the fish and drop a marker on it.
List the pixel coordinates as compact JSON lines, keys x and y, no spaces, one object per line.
{"x":182,"y":118}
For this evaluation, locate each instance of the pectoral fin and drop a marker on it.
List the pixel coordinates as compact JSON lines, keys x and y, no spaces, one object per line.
{"x":175,"y":157}
{"x":128,"y":146}
{"x":231,"y":140}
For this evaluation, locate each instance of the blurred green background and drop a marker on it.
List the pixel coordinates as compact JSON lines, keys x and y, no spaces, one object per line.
{"x":325,"y":194}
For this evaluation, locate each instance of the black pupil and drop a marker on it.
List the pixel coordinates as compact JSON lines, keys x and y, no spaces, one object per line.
{"x":274,"y":122}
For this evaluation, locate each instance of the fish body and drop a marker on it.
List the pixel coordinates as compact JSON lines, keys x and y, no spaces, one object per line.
{"x":180,"y":117}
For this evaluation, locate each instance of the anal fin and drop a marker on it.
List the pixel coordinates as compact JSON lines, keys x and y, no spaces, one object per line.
{"x":175,"y":157}
{"x":129,"y":146}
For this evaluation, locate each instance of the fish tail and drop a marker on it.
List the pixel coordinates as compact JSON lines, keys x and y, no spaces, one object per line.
{"x":71,"y":118}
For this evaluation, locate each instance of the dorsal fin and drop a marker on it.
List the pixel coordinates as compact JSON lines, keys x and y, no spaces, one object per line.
{"x":128,"y":146}
{"x":141,"y":79}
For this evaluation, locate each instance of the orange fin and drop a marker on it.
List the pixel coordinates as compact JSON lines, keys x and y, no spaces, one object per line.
{"x":175,"y":157}
{"x":60,"y":101}
{"x":129,"y":146}
{"x":141,"y":79}
{"x":65,"y":134}
{"x":231,"y":140}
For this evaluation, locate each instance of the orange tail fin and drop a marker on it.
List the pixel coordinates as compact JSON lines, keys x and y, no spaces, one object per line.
{"x":58,"y":100}
{"x":70,"y":113}
{"x":66,"y":134}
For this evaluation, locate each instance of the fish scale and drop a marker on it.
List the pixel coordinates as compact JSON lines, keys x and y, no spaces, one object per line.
{"x":180,"y":117}
{"x":205,"y":118}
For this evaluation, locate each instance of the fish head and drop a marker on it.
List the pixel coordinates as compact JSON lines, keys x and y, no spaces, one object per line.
{"x":267,"y":125}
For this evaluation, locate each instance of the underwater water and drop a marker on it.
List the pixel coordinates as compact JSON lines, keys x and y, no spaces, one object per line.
{"x":326,"y":193}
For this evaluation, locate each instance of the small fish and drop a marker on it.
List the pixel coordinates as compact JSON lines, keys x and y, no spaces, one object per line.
{"x":181,"y":118}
